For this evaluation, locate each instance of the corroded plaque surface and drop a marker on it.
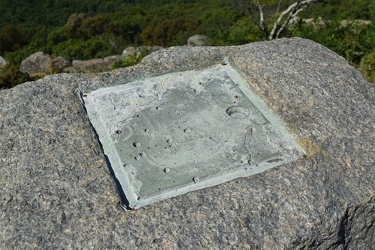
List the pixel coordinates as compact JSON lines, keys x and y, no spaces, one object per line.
{"x":178,"y":132}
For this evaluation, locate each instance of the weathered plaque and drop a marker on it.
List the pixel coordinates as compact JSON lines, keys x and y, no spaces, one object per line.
{"x":171,"y":134}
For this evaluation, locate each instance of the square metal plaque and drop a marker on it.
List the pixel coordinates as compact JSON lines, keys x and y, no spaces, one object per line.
{"x":171,"y":134}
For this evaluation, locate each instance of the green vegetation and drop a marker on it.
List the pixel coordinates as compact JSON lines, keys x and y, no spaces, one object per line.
{"x":10,"y":76}
{"x":87,"y":29}
{"x":354,"y":41}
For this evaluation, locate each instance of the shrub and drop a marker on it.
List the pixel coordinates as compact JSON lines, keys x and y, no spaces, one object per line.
{"x":243,"y":31}
{"x":79,"y":49}
{"x":131,"y":60}
{"x":10,"y":76}
{"x":163,"y":33}
{"x":367,"y":66}
{"x":11,"y":38}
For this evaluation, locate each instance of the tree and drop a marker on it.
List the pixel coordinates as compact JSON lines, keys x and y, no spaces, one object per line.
{"x":284,"y":19}
{"x":11,"y":39}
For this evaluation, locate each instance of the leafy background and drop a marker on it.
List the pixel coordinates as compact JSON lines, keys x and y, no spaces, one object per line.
{"x":87,"y":29}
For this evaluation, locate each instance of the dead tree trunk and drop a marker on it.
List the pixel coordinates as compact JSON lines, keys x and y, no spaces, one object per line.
{"x":284,"y":19}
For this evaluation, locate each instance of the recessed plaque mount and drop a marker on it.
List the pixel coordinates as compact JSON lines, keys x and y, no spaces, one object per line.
{"x":171,"y":134}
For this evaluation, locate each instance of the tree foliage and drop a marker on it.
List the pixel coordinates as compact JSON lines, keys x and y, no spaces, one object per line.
{"x":12,"y":38}
{"x":89,"y":29}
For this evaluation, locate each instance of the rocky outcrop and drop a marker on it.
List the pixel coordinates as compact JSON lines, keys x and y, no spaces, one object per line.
{"x":56,"y":189}
{"x":94,"y":65}
{"x":41,"y":64}
{"x":89,"y":65}
{"x":197,"y":40}
{"x":111,"y":60}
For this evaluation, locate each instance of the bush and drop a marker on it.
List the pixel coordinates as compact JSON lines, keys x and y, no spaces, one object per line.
{"x":367,"y":66}
{"x":243,"y":31}
{"x":131,"y":60}
{"x":163,"y":33}
{"x":10,"y":76}
{"x":92,"y":26}
{"x":79,"y":49}
{"x":11,"y":38}
{"x":56,"y":36}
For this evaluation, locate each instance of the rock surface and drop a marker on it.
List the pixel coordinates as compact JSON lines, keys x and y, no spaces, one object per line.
{"x":56,"y":190}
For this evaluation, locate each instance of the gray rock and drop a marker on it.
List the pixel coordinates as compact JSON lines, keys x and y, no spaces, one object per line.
{"x":144,"y":50}
{"x":343,"y":23}
{"x":316,"y":21}
{"x":111,"y":60}
{"x":90,"y":65}
{"x":140,"y":51}
{"x":70,"y":69}
{"x":196,"y":40}
{"x":129,"y":52}
{"x":93,"y":65}
{"x":57,"y":191}
{"x":58,"y":64}
{"x":3,"y":62}
{"x":357,"y":22}
{"x":36,"y":64}
{"x":40,"y":64}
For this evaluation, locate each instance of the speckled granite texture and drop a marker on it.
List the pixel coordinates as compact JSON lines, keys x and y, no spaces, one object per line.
{"x":56,"y":190}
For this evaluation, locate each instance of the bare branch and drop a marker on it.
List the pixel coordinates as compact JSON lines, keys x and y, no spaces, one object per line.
{"x":255,"y":11}
{"x":261,"y":17}
{"x":259,"y":23}
{"x":289,"y":13}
